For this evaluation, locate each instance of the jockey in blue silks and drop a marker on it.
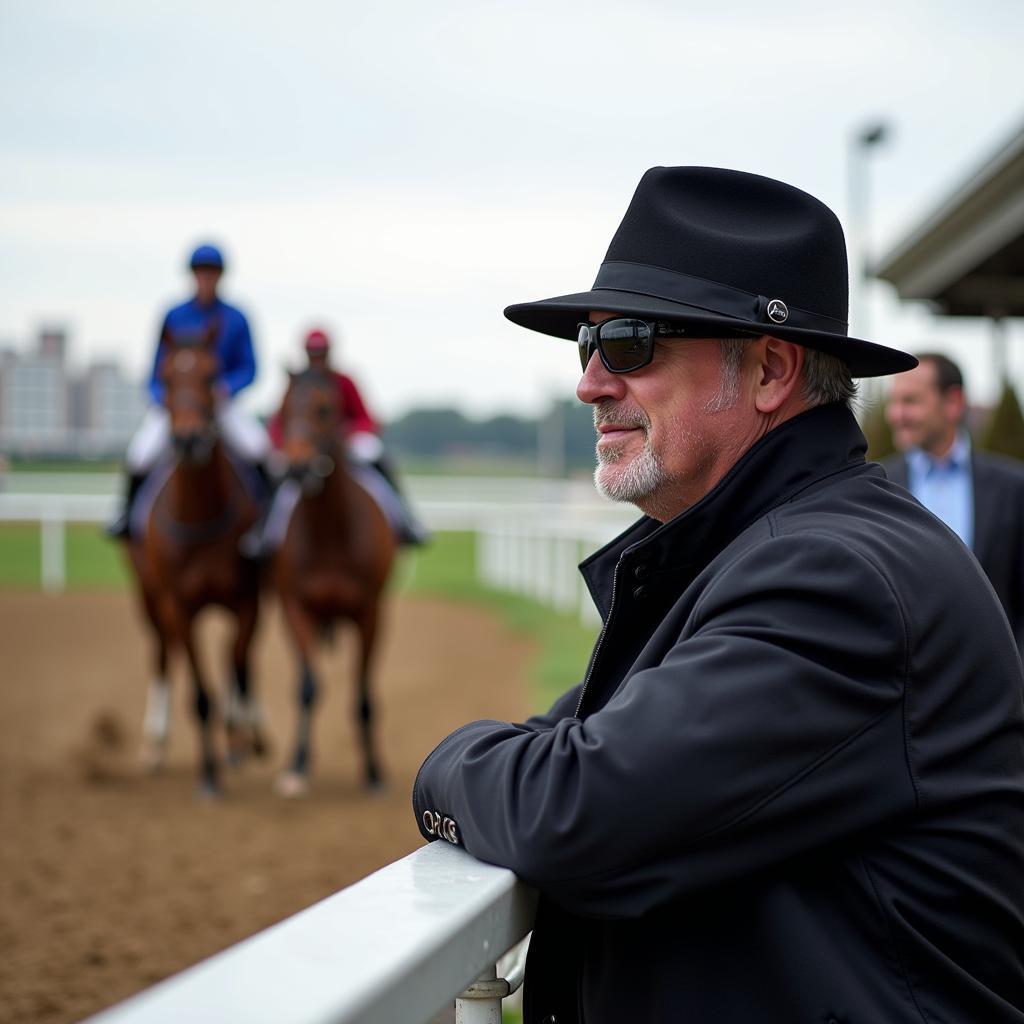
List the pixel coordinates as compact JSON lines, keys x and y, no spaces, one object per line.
{"x":242,"y":434}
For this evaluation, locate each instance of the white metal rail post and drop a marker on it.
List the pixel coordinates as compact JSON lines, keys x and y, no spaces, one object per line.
{"x":53,"y":512}
{"x":392,"y":949}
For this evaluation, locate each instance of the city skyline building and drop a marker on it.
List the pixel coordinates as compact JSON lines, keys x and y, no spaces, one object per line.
{"x":48,"y":409}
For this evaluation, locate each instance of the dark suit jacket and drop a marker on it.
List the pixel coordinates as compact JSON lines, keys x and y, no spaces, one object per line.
{"x":998,"y":526}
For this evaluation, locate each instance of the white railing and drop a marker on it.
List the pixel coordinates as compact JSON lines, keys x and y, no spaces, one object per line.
{"x":53,"y":512}
{"x":531,"y":533}
{"x":395,"y":948}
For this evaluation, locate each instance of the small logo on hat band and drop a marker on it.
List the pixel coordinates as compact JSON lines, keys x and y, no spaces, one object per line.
{"x":777,"y":311}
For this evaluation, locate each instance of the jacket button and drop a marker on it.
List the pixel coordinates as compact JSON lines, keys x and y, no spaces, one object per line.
{"x":640,"y":593}
{"x":549,"y":1019}
{"x":642,"y":571}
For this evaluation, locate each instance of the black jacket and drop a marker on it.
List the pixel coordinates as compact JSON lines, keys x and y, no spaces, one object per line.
{"x":998,"y":542}
{"x":791,"y":788}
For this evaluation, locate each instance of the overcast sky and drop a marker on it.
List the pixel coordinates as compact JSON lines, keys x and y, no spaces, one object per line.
{"x":399,"y":172}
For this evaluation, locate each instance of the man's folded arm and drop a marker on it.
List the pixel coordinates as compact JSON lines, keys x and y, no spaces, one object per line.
{"x":774,"y":729}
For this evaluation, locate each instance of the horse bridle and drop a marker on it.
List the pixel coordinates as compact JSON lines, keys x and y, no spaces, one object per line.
{"x":191,"y":397}
{"x":312,"y":476}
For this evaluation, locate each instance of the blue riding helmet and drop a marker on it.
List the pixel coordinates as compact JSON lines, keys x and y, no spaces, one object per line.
{"x":206,"y":256}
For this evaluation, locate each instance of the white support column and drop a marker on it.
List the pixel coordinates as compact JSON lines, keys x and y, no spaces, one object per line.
{"x":481,"y":1002}
{"x":52,"y":552}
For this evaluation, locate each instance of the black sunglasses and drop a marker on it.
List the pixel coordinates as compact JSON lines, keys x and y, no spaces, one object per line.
{"x":624,"y":344}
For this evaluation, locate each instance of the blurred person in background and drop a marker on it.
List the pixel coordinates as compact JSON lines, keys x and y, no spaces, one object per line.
{"x":244,"y":436}
{"x":361,"y":441}
{"x":978,"y":495}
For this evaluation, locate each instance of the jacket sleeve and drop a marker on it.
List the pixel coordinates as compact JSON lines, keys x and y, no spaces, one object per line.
{"x":156,"y":389}
{"x":353,"y":409}
{"x":772,"y":727}
{"x":239,"y":358}
{"x":275,"y":429}
{"x":564,"y":707}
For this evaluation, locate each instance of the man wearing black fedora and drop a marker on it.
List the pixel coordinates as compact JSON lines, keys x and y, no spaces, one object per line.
{"x":790,"y":787}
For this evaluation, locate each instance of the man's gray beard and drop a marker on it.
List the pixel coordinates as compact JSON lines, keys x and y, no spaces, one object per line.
{"x":641,"y":478}
{"x":644,"y":472}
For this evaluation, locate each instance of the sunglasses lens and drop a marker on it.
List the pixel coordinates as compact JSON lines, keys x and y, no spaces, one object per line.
{"x":583,"y":338}
{"x":625,"y":344}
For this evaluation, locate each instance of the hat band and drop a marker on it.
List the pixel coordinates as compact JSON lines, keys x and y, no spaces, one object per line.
{"x":711,"y":296}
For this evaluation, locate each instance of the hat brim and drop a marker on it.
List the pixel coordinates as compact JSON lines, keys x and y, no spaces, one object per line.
{"x":560,"y":317}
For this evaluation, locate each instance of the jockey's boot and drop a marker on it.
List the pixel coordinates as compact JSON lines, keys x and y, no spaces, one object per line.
{"x":120,"y":528}
{"x":253,"y":543}
{"x":266,"y":479}
{"x":412,"y":533}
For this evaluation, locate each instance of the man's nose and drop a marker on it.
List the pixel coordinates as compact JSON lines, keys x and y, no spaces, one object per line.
{"x":597,"y":382}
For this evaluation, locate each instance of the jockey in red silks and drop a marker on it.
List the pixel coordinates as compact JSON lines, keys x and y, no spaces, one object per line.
{"x":364,"y":448}
{"x":362,"y":434}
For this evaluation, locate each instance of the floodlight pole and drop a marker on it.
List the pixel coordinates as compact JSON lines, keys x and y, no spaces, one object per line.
{"x":861,"y":142}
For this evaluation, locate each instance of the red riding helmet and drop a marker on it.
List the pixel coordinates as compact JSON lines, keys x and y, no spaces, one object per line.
{"x":317,"y":341}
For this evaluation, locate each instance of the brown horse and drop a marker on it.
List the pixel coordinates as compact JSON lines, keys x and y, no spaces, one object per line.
{"x":186,"y":557}
{"x":334,"y":561}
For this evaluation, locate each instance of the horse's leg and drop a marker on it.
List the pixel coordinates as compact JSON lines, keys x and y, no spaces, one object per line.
{"x":183,"y":631}
{"x":246,"y":712}
{"x":157,"y":720}
{"x":367,"y":625}
{"x":293,"y":782}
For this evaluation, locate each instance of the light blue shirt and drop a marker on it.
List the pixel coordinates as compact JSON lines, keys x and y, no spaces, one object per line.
{"x":944,"y":486}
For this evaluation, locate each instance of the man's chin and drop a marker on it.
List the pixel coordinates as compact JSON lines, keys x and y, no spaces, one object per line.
{"x":620,"y":481}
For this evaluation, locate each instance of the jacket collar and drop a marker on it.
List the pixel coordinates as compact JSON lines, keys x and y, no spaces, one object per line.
{"x":787,"y":460}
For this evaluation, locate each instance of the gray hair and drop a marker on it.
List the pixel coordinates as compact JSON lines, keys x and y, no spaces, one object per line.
{"x":826,"y":377}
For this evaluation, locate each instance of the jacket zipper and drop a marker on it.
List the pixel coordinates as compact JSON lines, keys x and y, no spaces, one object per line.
{"x":600,"y":639}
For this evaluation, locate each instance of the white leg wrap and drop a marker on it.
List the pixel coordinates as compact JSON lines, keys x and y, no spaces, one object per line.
{"x":157,"y":723}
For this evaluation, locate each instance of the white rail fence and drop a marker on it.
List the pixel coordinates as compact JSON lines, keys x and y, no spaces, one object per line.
{"x":531,"y":534}
{"x":395,"y":948}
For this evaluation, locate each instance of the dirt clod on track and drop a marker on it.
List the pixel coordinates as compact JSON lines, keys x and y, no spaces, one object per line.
{"x":111,"y":879}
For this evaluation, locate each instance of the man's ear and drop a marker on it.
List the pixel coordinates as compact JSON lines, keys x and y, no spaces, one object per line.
{"x":780,"y":366}
{"x":956,"y":402}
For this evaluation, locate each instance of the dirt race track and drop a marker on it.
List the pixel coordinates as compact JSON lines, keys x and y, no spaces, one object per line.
{"x":111,"y":879}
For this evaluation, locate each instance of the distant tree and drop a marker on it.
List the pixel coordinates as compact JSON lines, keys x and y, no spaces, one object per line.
{"x":428,"y":431}
{"x":876,"y":430}
{"x":437,"y":433}
{"x":1005,"y":431}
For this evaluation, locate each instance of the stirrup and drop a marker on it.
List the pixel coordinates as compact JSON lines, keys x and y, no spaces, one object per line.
{"x":413,"y":534}
{"x":253,"y":543}
{"x":120,"y":528}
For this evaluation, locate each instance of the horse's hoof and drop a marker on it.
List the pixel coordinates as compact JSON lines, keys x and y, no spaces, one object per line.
{"x":291,"y":785}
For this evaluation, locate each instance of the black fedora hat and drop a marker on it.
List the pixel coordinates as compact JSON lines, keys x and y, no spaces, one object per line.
{"x":724,"y":251}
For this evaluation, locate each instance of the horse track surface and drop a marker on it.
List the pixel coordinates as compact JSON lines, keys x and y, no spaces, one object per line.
{"x":111,"y":879}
